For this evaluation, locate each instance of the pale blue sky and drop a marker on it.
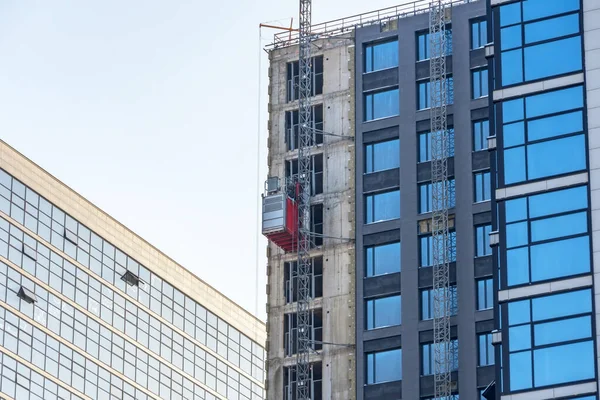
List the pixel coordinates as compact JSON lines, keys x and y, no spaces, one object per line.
{"x":148,"y":108}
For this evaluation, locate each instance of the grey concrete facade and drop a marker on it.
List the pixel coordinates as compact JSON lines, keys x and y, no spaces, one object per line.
{"x":336,"y":304}
{"x":413,"y":331}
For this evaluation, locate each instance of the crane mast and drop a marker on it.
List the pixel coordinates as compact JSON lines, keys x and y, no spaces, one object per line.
{"x":441,"y":241}
{"x":303,"y":390}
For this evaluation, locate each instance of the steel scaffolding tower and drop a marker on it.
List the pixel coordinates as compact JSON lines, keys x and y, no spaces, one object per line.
{"x":438,"y":91}
{"x":303,"y":199}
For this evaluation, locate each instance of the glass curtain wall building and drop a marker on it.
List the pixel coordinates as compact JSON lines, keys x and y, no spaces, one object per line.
{"x":88,"y":310}
{"x":544,"y":177}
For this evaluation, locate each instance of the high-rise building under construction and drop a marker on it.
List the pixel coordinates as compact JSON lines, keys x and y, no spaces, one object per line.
{"x":521,"y":128}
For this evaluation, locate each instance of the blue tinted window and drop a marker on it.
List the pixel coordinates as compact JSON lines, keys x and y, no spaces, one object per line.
{"x":511,"y":37}
{"x":383,"y":206}
{"x":564,"y":248}
{"x":516,"y":209}
{"x":427,"y":297}
{"x":383,"y":312}
{"x":381,"y":56}
{"x":479,"y":83}
{"x":486,"y":350}
{"x":425,"y":145}
{"x":424,"y":95}
{"x":482,"y":241}
{"x":551,"y":28}
{"x":578,"y":356}
{"x":426,"y":196}
{"x":519,"y":337}
{"x":554,"y":102}
{"x":547,"y":158}
{"x":478,"y":34}
{"x":426,"y":244}
{"x":481,"y":131}
{"x":384,"y":366}
{"x":383,"y":259}
{"x":517,"y":266}
{"x":560,"y":226}
{"x":512,"y":67}
{"x":428,"y":357}
{"x":381,"y":156}
{"x":510,"y":14}
{"x":485,"y":294}
{"x":557,"y":335}
{"x":557,"y":202}
{"x":553,"y":58}
{"x":520,"y":370}
{"x":482,"y":186}
{"x":561,"y":305}
{"x":533,"y":142}
{"x":382,"y":104}
{"x":535,"y":9}
{"x":557,"y":125}
{"x":514,"y":134}
{"x":423,"y":45}
{"x":557,"y":259}
{"x":522,"y":58}
{"x":563,"y":330}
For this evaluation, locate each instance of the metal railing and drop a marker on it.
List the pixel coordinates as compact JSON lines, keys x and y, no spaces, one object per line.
{"x":347,"y":24}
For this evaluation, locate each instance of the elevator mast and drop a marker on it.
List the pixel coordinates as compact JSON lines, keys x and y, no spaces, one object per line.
{"x":441,"y":241}
{"x":305,"y":135}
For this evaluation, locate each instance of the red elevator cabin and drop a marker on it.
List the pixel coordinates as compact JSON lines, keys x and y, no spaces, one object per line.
{"x":280,"y":214}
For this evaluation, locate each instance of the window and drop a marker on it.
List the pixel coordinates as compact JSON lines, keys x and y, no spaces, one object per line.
{"x":290,"y":382}
{"x":486,"y":350}
{"x":315,"y":283}
{"x":546,"y":332}
{"x":380,"y":56}
{"x":479,"y":83}
{"x":293,"y":78}
{"x":316,"y":224}
{"x":291,"y":127}
{"x":547,"y":236}
{"x":384,"y":366}
{"x":482,"y":186}
{"x":426,"y":197}
{"x":383,"y":259}
{"x":290,"y":331}
{"x":478,"y":34}
{"x":535,"y":44}
{"x":382,"y":206}
{"x":427,"y":296}
{"x":424,"y":95}
{"x":537,"y":133}
{"x":382,"y":104}
{"x":383,"y":312}
{"x":423,"y":44}
{"x":426,"y":244}
{"x":382,"y":155}
{"x":482,"y":241}
{"x":316,"y":179}
{"x":425,"y":145}
{"x":428,"y":357}
{"x":485,"y":294}
{"x":481,"y":131}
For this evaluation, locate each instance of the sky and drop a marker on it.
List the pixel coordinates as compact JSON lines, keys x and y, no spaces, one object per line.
{"x":150,"y":109}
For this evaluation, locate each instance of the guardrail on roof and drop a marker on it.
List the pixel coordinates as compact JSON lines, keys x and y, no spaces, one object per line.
{"x":347,"y":24}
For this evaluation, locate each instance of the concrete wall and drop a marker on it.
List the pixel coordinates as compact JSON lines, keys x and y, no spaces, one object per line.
{"x":337,"y":302}
{"x":408,"y":282}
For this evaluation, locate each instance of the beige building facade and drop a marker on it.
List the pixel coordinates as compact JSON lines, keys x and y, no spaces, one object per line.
{"x":90,"y":310}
